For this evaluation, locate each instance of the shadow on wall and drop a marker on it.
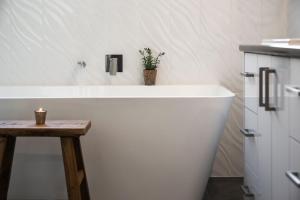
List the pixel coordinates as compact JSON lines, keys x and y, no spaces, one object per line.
{"x":40,"y":170}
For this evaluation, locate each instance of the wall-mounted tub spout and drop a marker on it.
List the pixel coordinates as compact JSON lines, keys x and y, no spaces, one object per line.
{"x":81,"y":64}
{"x":114,"y":64}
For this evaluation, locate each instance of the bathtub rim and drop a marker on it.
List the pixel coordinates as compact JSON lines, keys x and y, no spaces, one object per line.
{"x":222,"y":92}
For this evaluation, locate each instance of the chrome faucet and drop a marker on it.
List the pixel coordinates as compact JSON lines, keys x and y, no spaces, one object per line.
{"x":114,"y":64}
{"x":81,"y":64}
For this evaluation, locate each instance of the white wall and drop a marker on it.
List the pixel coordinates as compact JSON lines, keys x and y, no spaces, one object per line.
{"x":42,"y":40}
{"x":293,"y":19}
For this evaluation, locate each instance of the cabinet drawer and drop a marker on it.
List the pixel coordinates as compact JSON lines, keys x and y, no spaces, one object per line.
{"x":251,"y":83}
{"x":294,"y":114}
{"x":295,"y":78}
{"x":250,"y":181}
{"x":294,"y":167}
{"x":251,"y":143}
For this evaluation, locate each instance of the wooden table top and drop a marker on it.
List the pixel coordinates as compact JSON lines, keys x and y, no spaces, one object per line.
{"x":52,"y":128}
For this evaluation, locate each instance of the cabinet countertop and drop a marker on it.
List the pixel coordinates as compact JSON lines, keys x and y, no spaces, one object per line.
{"x":286,"y":51}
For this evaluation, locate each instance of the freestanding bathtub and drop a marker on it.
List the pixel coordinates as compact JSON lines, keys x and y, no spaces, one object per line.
{"x":146,"y":143}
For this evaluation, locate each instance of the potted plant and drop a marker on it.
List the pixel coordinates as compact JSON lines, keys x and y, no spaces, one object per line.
{"x":150,"y":63}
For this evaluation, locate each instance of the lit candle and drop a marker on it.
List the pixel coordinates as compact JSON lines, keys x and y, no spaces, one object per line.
{"x":40,"y":116}
{"x":40,"y":110}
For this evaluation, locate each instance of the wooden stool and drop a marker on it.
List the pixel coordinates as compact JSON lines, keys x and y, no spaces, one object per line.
{"x":69,"y":133}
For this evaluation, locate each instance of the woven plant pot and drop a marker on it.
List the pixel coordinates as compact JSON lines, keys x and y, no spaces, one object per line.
{"x":150,"y":76}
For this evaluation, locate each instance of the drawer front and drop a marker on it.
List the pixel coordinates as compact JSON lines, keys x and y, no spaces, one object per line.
{"x":295,"y":63}
{"x":294,"y":112}
{"x":293,"y":91}
{"x":251,"y":143}
{"x":294,"y":167}
{"x":264,"y":149}
{"x":250,"y":181}
{"x":251,"y":83}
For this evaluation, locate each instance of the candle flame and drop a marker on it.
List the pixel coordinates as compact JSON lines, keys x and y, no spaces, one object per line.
{"x":40,"y":110}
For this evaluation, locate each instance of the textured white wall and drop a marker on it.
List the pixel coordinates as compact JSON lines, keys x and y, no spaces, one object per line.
{"x":293,"y":19}
{"x":42,"y":40}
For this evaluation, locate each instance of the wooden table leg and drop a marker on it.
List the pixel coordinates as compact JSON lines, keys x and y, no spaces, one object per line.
{"x":85,"y":195}
{"x":74,"y":169}
{"x":7,"y":148}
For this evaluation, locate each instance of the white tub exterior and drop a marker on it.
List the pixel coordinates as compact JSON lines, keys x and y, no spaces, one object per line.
{"x":146,"y":143}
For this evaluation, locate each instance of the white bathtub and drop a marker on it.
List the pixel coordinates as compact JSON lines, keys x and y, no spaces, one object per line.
{"x":146,"y":143}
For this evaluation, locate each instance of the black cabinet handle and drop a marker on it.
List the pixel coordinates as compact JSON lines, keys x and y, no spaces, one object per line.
{"x":261,"y":83}
{"x":267,"y":90}
{"x":247,"y":74}
{"x":246,"y":191}
{"x":248,"y":132}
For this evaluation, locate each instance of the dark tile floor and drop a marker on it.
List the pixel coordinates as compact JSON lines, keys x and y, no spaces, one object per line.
{"x":224,"y":189}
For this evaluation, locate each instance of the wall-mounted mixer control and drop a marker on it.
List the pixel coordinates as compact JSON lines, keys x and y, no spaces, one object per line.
{"x":114,"y":64}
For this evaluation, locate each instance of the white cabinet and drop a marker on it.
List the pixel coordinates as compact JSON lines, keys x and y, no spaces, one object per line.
{"x":251,"y":151}
{"x":264,"y":130}
{"x":258,"y":147}
{"x":251,"y":82}
{"x":294,"y":114}
{"x":294,"y":102}
{"x":266,"y":111}
{"x":280,"y":129}
{"x":294,"y":189}
{"x":264,"y":169}
{"x":251,"y":142}
{"x":294,"y":130}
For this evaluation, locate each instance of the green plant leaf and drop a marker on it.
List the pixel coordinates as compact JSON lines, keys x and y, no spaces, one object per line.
{"x":149,"y":61}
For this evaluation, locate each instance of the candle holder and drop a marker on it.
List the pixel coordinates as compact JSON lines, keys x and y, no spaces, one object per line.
{"x":40,"y":116}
